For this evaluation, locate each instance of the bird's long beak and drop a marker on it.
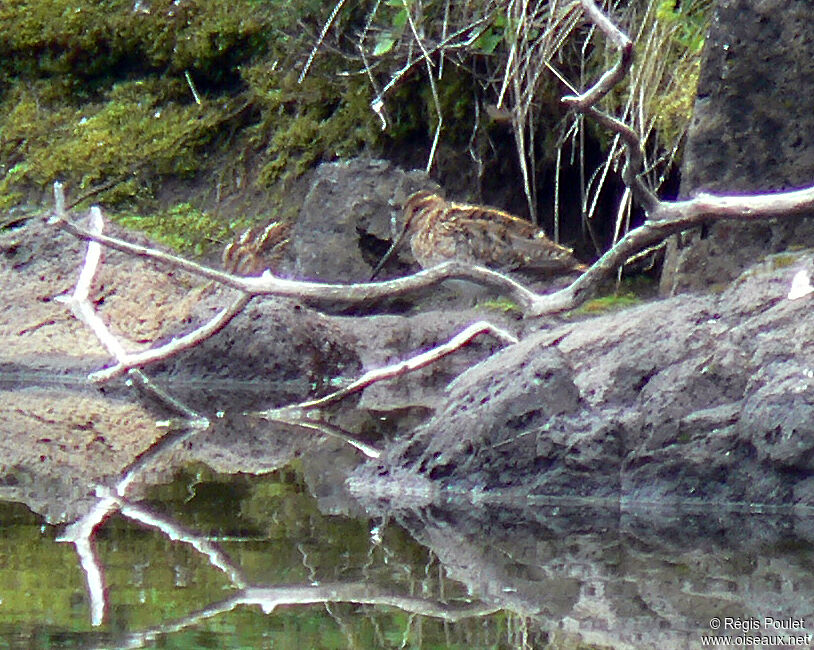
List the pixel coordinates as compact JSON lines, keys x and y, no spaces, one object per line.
{"x":388,"y":254}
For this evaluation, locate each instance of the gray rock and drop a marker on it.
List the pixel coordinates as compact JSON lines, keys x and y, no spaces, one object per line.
{"x":752,"y":131}
{"x":693,"y":399}
{"x":687,"y":400}
{"x":347,"y":220}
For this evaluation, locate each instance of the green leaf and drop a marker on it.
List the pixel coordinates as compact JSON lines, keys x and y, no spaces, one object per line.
{"x":488,"y":41}
{"x":400,"y":19}
{"x":666,"y":11}
{"x":384,"y":44}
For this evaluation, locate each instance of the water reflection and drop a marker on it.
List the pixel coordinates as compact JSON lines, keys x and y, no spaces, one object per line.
{"x":634,"y":577}
{"x":284,"y":558}
{"x":253,"y":564}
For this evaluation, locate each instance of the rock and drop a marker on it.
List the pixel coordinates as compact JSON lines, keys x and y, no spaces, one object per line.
{"x":752,"y":131}
{"x":344,"y":226}
{"x":691,"y":399}
{"x":275,"y":352}
{"x":694,"y":399}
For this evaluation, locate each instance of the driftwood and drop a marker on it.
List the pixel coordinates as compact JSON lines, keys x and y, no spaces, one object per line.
{"x":299,"y":415}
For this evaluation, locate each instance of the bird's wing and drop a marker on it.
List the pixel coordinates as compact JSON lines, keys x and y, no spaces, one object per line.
{"x":513,"y":244}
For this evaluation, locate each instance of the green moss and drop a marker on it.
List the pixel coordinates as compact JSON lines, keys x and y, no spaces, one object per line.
{"x":607,"y":304}
{"x":93,"y":91}
{"x":504,"y":305}
{"x":673,"y":110}
{"x":89,"y":39}
{"x":783,"y":260}
{"x":321,"y":118}
{"x":184,"y":228}
{"x":685,"y":27}
{"x":135,"y":132}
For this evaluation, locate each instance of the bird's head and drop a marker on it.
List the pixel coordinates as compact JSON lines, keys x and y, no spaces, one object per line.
{"x":416,"y":209}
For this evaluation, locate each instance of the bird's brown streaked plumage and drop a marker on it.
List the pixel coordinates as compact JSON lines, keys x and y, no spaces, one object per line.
{"x":256,"y":249}
{"x":441,"y":230}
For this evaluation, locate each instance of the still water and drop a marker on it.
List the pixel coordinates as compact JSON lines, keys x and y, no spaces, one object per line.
{"x":174,"y":554}
{"x":253,"y":564}
{"x":212,"y":560}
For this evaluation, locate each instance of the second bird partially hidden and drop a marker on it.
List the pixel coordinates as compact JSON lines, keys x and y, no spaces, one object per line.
{"x":441,"y":230}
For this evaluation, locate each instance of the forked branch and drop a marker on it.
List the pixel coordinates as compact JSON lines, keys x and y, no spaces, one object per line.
{"x":586,"y":103}
{"x":297,"y":414}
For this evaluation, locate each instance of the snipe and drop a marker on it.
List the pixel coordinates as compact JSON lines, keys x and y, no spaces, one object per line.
{"x":256,"y":249}
{"x":441,"y":230}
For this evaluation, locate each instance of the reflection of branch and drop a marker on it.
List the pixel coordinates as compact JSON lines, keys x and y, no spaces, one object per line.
{"x":177,"y":533}
{"x":269,"y":598}
{"x":80,"y":533}
{"x":284,"y":416}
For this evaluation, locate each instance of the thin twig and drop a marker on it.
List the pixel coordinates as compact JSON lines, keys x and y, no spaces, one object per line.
{"x":443,"y":44}
{"x":321,"y":38}
{"x":433,"y":88}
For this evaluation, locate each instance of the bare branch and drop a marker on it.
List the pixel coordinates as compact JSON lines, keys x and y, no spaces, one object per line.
{"x":665,"y":218}
{"x":618,"y":72}
{"x":586,"y":103}
{"x":320,"y":295}
{"x":298,"y":414}
{"x":78,"y":301}
{"x":632,"y":171}
{"x":175,"y":345}
{"x":670,"y":218}
{"x":82,"y":308}
{"x":416,"y":362}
